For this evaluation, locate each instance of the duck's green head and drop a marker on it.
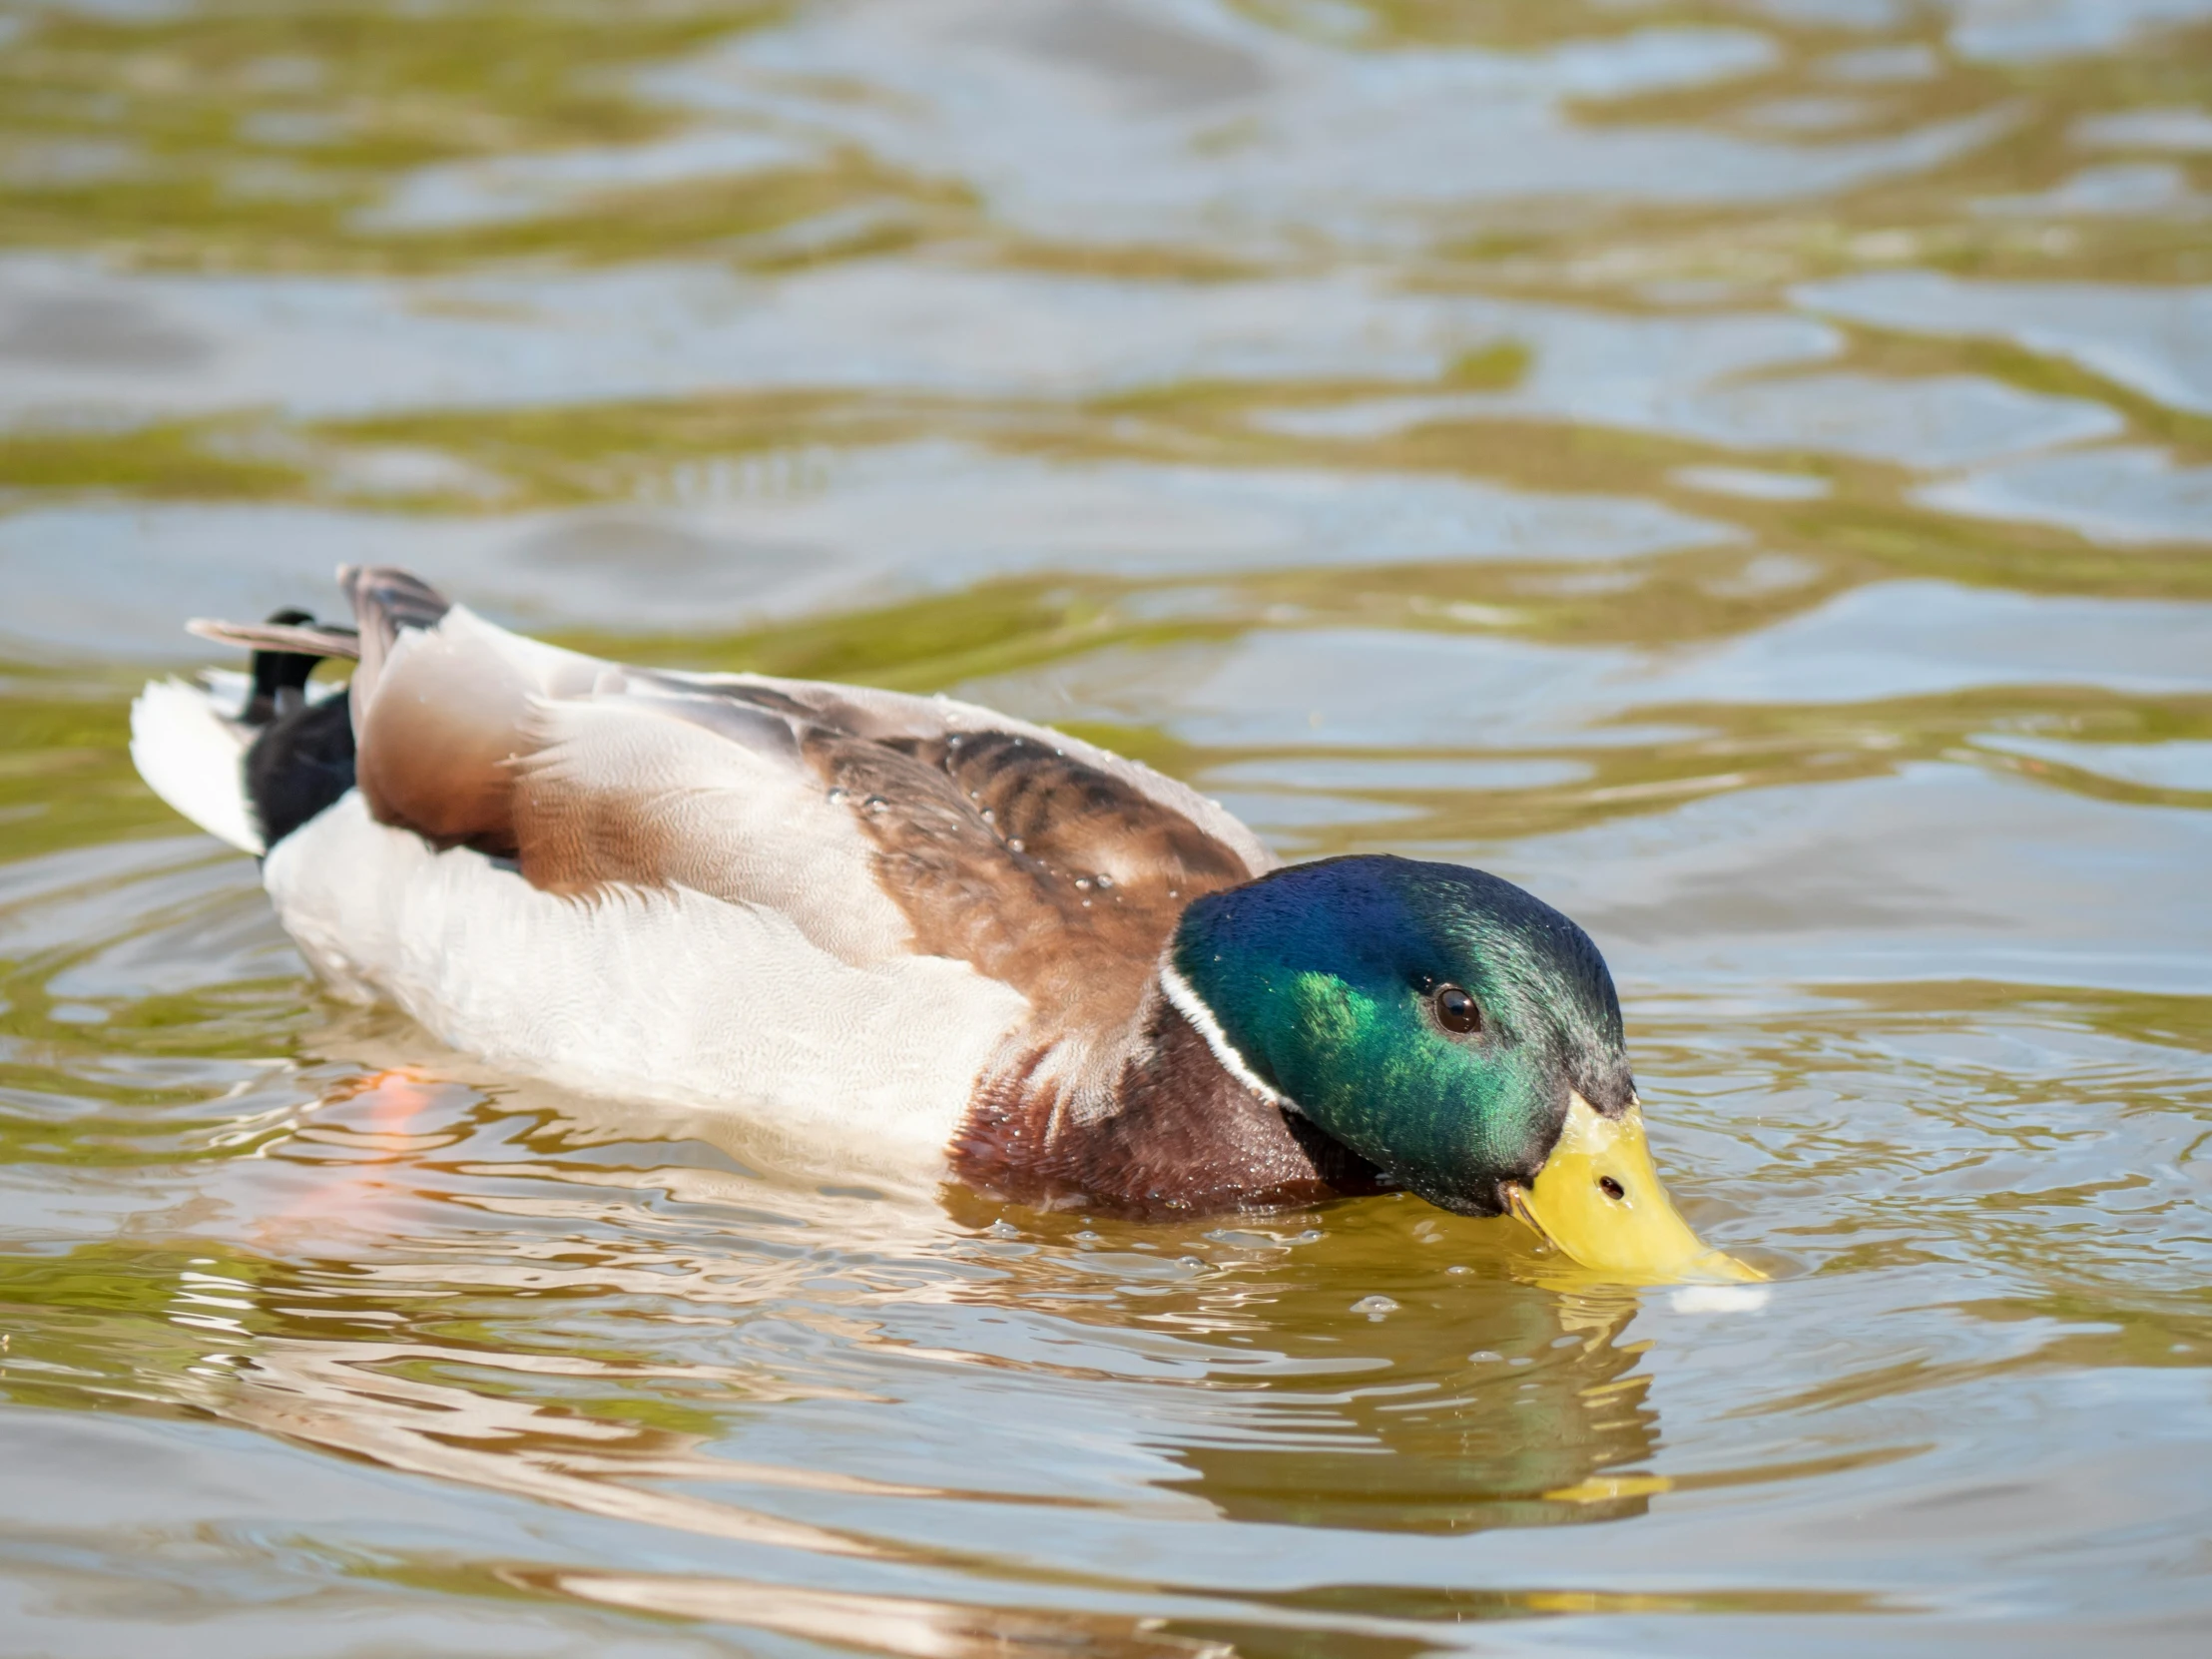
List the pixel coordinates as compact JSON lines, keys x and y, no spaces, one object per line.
{"x":1454,"y":1030}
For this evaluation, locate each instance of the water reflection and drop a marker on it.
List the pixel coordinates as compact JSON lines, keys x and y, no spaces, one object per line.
{"x":1378,"y":1415}
{"x":1542,"y":1426}
{"x":417,"y":1307}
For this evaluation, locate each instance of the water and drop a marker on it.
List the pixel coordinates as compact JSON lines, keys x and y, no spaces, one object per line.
{"x":1743,"y":469}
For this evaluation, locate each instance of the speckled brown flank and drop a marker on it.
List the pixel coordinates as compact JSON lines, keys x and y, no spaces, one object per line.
{"x":1187,"y":1138}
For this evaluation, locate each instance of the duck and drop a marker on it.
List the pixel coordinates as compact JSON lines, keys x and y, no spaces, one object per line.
{"x":955,"y":940}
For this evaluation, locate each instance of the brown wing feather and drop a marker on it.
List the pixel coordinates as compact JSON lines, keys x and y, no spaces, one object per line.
{"x":434,"y":743}
{"x":441,"y":707}
{"x":913,"y":723}
{"x":1044,"y":863}
{"x":1044,"y":871}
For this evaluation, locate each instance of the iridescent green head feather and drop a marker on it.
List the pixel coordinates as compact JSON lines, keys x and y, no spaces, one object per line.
{"x":1332,"y":983}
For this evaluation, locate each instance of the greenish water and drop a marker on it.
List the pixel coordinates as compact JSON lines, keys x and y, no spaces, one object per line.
{"x":1742,"y":468}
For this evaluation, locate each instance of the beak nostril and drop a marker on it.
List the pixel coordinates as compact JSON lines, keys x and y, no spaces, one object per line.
{"x":1599,"y":1200}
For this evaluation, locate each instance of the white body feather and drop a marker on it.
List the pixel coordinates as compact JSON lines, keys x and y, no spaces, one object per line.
{"x":675,"y":997}
{"x":194,"y":758}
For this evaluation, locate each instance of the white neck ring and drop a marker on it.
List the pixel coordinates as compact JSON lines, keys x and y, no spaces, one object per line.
{"x":1191,"y":1007}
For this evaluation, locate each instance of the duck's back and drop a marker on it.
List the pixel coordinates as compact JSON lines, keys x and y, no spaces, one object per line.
{"x":842,"y":910}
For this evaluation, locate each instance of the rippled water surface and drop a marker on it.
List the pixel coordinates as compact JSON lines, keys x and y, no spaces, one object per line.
{"x":1742,"y":468}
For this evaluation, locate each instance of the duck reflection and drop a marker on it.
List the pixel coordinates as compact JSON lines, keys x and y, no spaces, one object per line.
{"x":1438,"y":1400}
{"x":1453,"y":1438}
{"x":1375,"y":1365}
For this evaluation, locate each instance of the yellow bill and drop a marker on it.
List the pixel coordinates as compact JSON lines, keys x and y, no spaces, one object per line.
{"x":1598,"y":1198}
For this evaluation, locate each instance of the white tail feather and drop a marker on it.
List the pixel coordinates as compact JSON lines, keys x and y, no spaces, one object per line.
{"x":195,"y":760}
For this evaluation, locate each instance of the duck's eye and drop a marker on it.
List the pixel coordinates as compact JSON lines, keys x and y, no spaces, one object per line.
{"x":1611,"y":1187}
{"x":1455,"y":1010}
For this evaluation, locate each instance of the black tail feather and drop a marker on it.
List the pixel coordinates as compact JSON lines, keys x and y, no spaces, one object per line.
{"x":280,"y":677}
{"x":302,"y":758}
{"x":301,"y":763}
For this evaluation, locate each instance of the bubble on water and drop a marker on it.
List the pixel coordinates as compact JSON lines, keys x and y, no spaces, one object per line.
{"x":1721,"y":1299}
{"x":1375,"y":1307}
{"x":1458,"y":1266}
{"x":1243,"y":1238}
{"x":1483,"y":1357}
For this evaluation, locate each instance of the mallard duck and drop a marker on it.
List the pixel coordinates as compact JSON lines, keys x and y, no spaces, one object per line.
{"x":963,"y":941}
